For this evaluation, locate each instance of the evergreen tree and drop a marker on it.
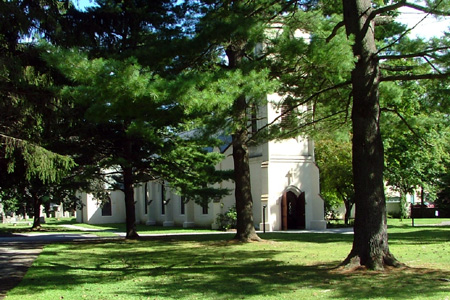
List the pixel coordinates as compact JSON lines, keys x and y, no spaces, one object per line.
{"x":28,"y":101}
{"x":231,"y":54}
{"x":124,"y":114}
{"x":370,"y":246}
{"x":29,"y":106}
{"x":133,"y":127}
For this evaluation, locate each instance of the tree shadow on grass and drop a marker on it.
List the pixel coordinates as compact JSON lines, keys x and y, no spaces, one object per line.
{"x":424,"y":236}
{"x":320,"y":238}
{"x":211,"y":267}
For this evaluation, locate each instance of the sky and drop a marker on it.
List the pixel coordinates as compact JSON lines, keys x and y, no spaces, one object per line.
{"x":426,"y":29}
{"x":429,"y":27}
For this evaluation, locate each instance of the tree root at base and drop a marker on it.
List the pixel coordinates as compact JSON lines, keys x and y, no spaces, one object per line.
{"x":354,"y":263}
{"x":248,"y":239}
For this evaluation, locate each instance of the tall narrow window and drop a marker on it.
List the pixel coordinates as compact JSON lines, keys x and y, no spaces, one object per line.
{"x":163,"y":200}
{"x":182,"y":206}
{"x":146,"y":198}
{"x":106,"y":207}
{"x":254,"y":120}
{"x":288,"y":112}
{"x":205,"y":209}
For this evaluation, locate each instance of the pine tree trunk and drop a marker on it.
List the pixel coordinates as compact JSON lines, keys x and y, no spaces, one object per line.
{"x":129,"y":195}
{"x":370,"y":244}
{"x":245,"y":228}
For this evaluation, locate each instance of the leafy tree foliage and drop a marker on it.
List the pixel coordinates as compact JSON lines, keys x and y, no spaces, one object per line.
{"x":29,"y":106}
{"x":372,"y":55}
{"x":334,"y":158}
{"x":361,"y":17}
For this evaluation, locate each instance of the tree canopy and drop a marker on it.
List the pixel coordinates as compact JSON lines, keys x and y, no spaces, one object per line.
{"x":28,"y":91}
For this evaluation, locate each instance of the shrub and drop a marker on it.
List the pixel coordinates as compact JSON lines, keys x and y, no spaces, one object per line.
{"x":227,"y":220}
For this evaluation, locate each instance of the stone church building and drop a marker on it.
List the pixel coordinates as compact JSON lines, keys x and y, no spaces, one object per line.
{"x":285,"y":190}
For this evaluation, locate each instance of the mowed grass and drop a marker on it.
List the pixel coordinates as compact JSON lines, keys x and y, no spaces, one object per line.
{"x":145,"y":229}
{"x":53,"y":225}
{"x":284,"y":266}
{"x":50,"y":225}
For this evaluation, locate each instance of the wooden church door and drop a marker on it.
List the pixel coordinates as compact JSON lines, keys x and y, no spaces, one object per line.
{"x":293,"y":211}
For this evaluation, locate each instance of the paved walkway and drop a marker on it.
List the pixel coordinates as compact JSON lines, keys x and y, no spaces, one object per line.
{"x":15,"y":259}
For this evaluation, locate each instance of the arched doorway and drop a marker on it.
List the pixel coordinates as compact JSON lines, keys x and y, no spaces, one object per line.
{"x":293,"y":210}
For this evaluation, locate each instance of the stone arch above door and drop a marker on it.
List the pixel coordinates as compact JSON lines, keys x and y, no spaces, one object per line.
{"x":294,"y":190}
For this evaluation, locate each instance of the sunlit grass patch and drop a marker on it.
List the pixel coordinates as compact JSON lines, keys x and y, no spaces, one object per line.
{"x":143,"y":229}
{"x":283,"y":266}
{"x":50,"y":225}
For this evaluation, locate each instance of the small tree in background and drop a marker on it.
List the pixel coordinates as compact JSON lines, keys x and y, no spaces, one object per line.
{"x":334,"y":158}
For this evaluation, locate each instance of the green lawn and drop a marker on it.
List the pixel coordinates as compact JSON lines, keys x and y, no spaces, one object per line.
{"x":417,"y":222}
{"x":53,"y":225}
{"x":50,"y":225}
{"x":145,"y":229}
{"x":284,"y":266}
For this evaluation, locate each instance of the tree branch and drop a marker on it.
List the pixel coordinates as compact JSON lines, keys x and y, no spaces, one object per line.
{"x":334,"y":32}
{"x":404,"y":3}
{"x":395,"y":111}
{"x":433,"y":66}
{"x":387,"y":8}
{"x":412,"y":55}
{"x":398,"y":5}
{"x":396,"y":68}
{"x":295,"y":131}
{"x":427,"y":10}
{"x":408,"y":77}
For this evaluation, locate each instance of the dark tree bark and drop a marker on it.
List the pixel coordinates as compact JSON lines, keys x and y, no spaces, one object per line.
{"x":129,"y":203}
{"x":370,"y":244}
{"x":245,"y":229}
{"x":128,"y":190}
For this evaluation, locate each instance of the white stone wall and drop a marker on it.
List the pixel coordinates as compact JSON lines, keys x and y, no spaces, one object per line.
{"x":91,"y":212}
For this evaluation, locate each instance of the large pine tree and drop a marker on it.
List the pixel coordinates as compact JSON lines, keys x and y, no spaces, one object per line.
{"x":127,"y":108}
{"x":236,"y":82}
